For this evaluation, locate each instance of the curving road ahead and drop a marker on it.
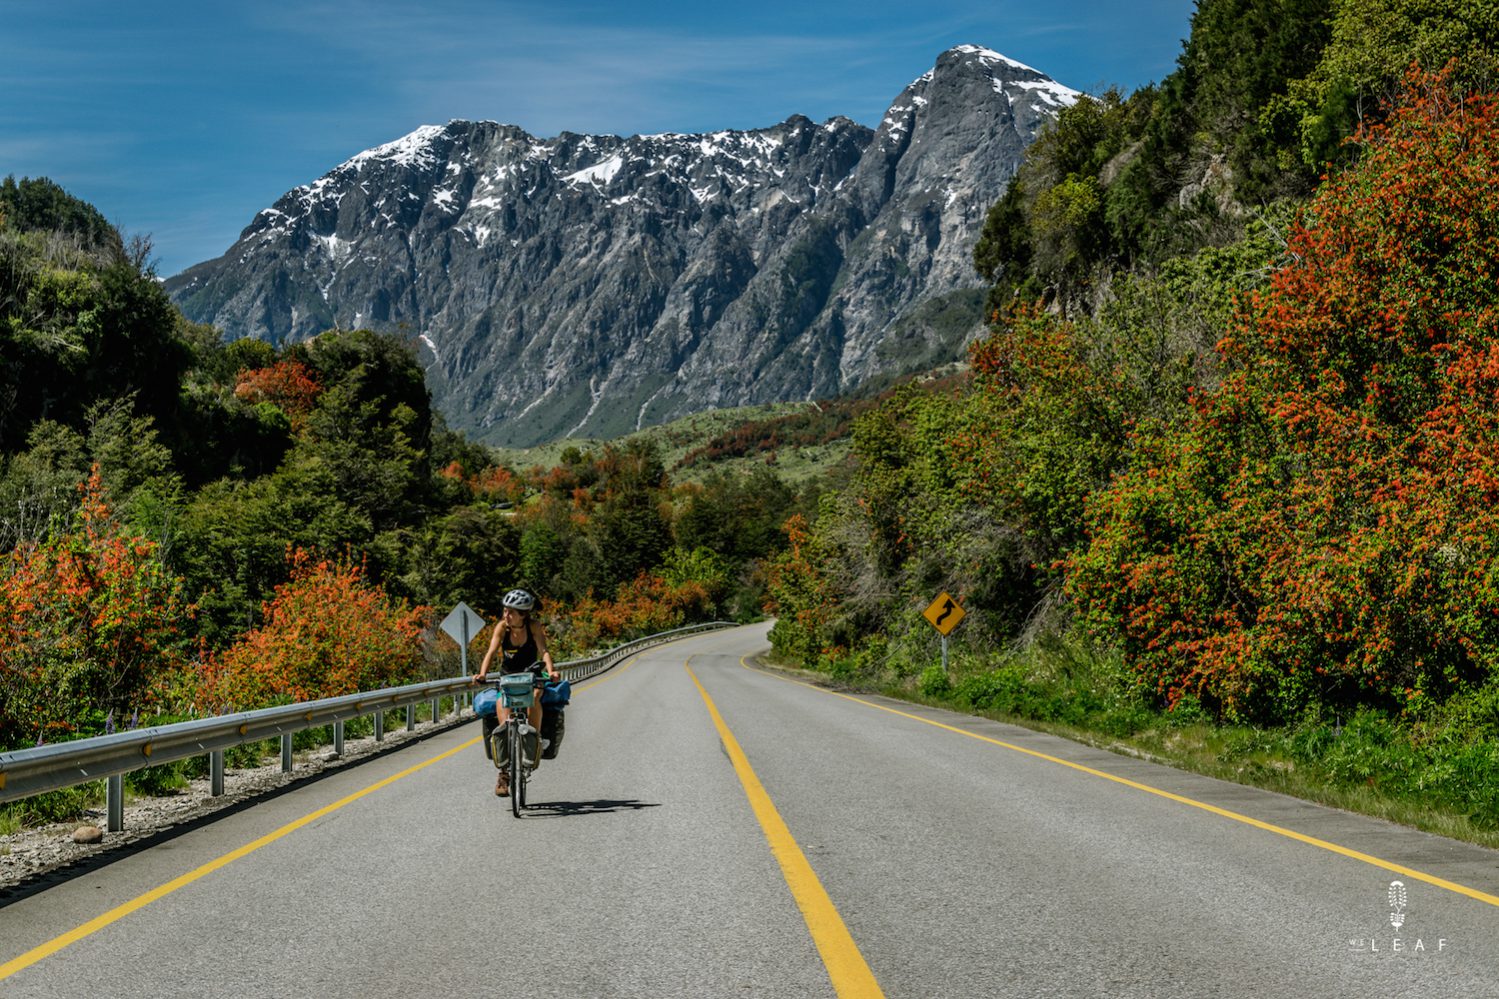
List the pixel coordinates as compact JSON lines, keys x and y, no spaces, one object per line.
{"x":711,"y":829}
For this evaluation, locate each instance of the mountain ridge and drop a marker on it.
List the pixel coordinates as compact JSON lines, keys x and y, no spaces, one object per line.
{"x":595,"y":284}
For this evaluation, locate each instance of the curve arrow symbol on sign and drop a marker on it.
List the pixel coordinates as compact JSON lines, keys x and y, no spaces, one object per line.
{"x":944,"y":614}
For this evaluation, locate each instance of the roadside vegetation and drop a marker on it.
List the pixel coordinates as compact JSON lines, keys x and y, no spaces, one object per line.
{"x":1221,"y":487}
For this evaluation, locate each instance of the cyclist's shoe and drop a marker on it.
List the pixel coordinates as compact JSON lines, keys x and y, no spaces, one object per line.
{"x":502,"y":785}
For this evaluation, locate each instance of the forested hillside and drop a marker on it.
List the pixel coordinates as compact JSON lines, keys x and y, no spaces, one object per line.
{"x":1227,"y":453}
{"x":189,"y":526}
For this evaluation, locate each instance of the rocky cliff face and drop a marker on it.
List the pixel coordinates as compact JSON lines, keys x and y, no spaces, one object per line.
{"x":595,"y":284}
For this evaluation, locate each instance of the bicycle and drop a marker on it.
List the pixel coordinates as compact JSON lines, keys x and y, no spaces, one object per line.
{"x":516,"y":746}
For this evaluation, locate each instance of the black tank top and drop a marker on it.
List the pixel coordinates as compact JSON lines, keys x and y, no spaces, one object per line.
{"x":520,"y":658}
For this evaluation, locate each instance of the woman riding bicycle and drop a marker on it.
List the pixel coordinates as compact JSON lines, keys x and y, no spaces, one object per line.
{"x":522,"y":644}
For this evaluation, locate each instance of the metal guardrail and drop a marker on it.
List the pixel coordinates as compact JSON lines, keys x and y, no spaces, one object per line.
{"x":28,"y":772}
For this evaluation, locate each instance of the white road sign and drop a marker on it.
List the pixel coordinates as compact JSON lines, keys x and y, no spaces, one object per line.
{"x":462,"y":624}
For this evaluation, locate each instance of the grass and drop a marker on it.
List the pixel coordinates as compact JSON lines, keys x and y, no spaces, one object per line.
{"x":677,"y":439}
{"x":1271,"y":764}
{"x":1439,"y":775}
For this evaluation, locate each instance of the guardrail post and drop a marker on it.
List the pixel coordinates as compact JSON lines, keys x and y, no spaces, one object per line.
{"x":114,"y":803}
{"x":411,"y":717}
{"x":379,"y":726}
{"x":216,"y":772}
{"x":338,"y":738}
{"x":286,"y":752}
{"x":434,"y":710}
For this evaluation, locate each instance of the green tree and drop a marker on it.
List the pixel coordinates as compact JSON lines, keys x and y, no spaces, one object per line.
{"x":541,"y":556}
{"x":39,"y":205}
{"x":469,"y":553}
{"x":1372,"y":43}
{"x":234,"y":535}
{"x":38,"y":488}
{"x":738,"y":516}
{"x":370,"y":430}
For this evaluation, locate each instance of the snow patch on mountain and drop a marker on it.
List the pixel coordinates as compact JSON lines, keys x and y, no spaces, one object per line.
{"x":412,"y":149}
{"x":647,"y":276}
{"x":600,"y":173}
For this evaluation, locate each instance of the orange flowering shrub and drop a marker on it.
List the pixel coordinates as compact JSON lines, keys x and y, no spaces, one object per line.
{"x":499,"y":483}
{"x":1326,"y":530}
{"x":648,"y":605}
{"x":87,"y":618}
{"x":327,"y":632}
{"x":288,"y":385}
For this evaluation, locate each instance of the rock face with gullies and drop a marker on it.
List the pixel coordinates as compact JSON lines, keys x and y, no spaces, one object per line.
{"x":591,"y":285}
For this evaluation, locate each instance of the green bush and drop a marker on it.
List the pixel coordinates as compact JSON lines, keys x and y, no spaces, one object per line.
{"x":934,"y":682}
{"x":158,"y":780}
{"x":67,"y":805}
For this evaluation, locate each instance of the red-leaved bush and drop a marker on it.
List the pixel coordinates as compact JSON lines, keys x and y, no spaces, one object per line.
{"x":1326,"y":530}
{"x":289,"y":385}
{"x":328,"y":631}
{"x":646,"y":606}
{"x":87,"y":618}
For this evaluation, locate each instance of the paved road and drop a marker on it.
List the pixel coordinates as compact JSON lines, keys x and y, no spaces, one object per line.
{"x":714,"y":830}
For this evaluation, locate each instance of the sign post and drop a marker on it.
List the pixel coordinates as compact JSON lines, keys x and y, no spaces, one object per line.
{"x":462,"y":624}
{"x":944,"y":614}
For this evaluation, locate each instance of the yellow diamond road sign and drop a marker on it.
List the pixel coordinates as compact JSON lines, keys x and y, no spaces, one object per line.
{"x":944,"y":614}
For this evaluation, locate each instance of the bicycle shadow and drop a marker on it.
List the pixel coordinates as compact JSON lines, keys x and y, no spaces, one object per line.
{"x":602,"y":806}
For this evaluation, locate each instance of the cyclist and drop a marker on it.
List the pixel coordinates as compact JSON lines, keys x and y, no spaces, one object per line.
{"x":522,"y":644}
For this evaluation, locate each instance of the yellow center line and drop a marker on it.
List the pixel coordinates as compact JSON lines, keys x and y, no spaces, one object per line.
{"x":1321,"y":844}
{"x":611,"y":672}
{"x":51,"y":947}
{"x":850,"y":974}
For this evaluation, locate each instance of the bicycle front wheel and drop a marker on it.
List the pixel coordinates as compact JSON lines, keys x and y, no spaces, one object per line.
{"x":517,"y":771}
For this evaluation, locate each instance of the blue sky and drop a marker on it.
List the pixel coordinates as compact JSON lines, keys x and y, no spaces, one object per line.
{"x":181,"y":120}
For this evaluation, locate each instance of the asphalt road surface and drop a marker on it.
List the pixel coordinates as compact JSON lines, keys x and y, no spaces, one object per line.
{"x":712,"y":829}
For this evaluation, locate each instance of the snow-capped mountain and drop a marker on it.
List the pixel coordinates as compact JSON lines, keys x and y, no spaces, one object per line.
{"x":594,"y":284}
